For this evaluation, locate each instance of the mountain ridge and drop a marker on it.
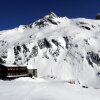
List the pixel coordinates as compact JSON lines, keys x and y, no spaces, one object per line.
{"x":59,"y":47}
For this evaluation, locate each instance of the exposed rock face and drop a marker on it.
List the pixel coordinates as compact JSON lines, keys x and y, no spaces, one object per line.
{"x":44,"y":43}
{"x":98,"y":16}
{"x":93,"y":58}
{"x":49,"y":19}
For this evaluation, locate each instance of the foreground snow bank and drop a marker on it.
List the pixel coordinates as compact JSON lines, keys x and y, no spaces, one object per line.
{"x":40,"y":89}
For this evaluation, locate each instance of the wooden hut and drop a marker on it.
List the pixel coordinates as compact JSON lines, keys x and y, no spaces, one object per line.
{"x":7,"y":71}
{"x":14,"y":71}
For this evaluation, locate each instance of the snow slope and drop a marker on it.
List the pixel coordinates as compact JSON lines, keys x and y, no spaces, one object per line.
{"x":59,"y":47}
{"x":39,"y":89}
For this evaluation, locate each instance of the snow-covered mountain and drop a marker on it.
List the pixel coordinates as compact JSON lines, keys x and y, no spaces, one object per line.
{"x":59,"y":47}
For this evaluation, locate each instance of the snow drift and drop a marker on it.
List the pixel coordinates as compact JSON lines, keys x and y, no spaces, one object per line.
{"x":59,"y":47}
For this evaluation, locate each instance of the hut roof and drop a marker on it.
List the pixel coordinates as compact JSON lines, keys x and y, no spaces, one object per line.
{"x":9,"y":65}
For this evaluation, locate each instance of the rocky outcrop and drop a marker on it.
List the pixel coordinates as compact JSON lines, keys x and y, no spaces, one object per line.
{"x":98,"y":16}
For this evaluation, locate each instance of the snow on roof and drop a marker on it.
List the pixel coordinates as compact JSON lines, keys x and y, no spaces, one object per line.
{"x":9,"y":65}
{"x":30,"y":66}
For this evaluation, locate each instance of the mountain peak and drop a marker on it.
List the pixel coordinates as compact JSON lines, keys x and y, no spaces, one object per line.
{"x":47,"y":20}
{"x":52,"y":14}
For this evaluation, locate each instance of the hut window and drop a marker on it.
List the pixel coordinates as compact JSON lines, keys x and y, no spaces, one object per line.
{"x":8,"y":74}
{"x":23,"y":68}
{"x":16,"y":68}
{"x":11,"y":68}
{"x":8,"y":68}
